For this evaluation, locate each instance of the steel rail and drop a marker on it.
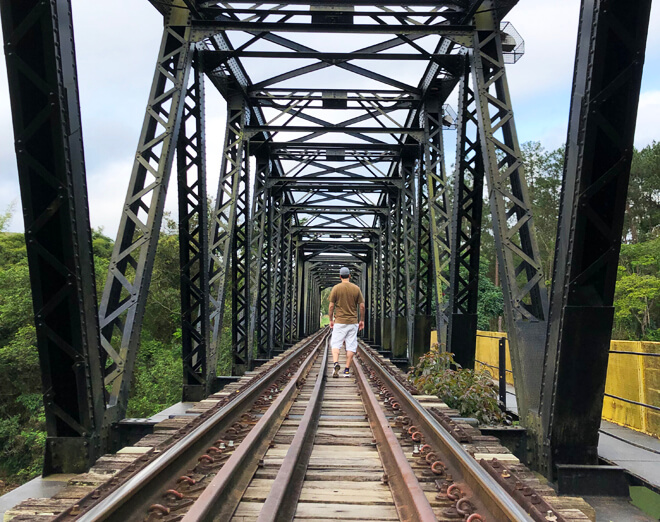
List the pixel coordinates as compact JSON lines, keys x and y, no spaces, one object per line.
{"x":486,"y":490}
{"x":282,"y":501}
{"x":409,"y":498}
{"x":223,"y":494}
{"x":136,"y":494}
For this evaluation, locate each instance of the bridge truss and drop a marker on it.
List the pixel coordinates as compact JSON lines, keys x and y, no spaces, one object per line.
{"x":333,"y":156}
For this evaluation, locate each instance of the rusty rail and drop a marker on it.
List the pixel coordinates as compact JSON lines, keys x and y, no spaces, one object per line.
{"x":221,"y":497}
{"x":130,"y":499}
{"x":281,"y":503}
{"x":494,"y":498}
{"x":409,"y":498}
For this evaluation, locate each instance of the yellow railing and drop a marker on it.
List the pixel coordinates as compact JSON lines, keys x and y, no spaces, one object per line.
{"x":631,"y":379}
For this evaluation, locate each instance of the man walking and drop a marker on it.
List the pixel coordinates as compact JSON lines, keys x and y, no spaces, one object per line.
{"x":343,"y":311}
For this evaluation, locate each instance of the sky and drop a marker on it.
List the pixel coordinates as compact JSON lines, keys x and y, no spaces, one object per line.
{"x":117,"y":45}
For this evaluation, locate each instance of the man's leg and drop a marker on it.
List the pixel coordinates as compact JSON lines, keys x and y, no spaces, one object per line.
{"x":349,"y":358}
{"x":351,"y":347}
{"x":338,"y":334}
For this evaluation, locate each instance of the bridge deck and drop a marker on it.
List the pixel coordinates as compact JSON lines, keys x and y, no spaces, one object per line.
{"x":344,"y":478}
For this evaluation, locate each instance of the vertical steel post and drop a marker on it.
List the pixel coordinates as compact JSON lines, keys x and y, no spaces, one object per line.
{"x":466,"y":229}
{"x":395,"y":265}
{"x":287,"y":275}
{"x":435,"y":220}
{"x":264,"y":313}
{"x":43,"y":88}
{"x":259,"y":262}
{"x":384,"y":303}
{"x":502,"y":371}
{"x":198,"y":376}
{"x":225,"y":219}
{"x":608,"y":74}
{"x":407,"y":290}
{"x":277,"y":295}
{"x":525,"y":297}
{"x":240,"y":264}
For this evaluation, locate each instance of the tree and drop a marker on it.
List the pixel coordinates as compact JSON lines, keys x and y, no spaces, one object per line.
{"x":637,"y":315}
{"x":643,"y":207}
{"x":544,"y":172}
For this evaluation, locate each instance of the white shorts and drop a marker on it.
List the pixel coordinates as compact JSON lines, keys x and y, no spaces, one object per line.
{"x":344,"y":332}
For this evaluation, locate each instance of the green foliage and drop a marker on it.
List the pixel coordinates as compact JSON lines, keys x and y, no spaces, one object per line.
{"x":643,"y":208}
{"x":325,"y":300}
{"x":157,"y":380}
{"x":637,"y":315}
{"x":22,"y":424}
{"x":16,"y":308}
{"x":471,"y":392}
{"x":490,"y":305}
{"x":544,"y":172}
{"x":5,"y":218}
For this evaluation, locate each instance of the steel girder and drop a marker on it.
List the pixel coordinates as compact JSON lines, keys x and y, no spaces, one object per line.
{"x":598,"y":156}
{"x":525,"y":297}
{"x":276,"y":224}
{"x":261,"y":263}
{"x":198,"y":375}
{"x":408,"y":295}
{"x":125,"y":294}
{"x":434,"y":222}
{"x":466,"y":229}
{"x":240,"y":265}
{"x":233,"y":180}
{"x":286,"y":275}
{"x":291,"y":205}
{"x":43,"y":88}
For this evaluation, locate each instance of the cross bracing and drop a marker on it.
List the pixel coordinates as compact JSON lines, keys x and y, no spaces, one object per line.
{"x":333,"y":155}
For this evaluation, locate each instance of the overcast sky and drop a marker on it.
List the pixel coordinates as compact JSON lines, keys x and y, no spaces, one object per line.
{"x":117,"y":44}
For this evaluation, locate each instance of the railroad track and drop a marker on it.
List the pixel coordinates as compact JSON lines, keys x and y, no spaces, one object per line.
{"x":290,"y":443}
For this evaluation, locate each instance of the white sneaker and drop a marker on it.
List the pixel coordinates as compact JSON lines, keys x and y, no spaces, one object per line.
{"x":335,"y":372}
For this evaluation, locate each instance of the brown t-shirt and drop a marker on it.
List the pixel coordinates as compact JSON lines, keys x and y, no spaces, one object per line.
{"x":347,"y":297}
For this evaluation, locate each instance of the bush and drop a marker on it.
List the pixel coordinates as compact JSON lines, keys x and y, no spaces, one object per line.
{"x":157,"y":379}
{"x":471,"y":392}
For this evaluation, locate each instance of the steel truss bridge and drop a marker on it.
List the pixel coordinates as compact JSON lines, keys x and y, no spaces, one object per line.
{"x":330,"y":158}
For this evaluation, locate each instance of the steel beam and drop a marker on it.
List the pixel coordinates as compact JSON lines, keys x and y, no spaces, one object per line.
{"x":453,"y":31}
{"x":434,"y":221}
{"x":408,"y":293}
{"x":43,"y":89}
{"x":193,"y":242}
{"x":466,"y":230}
{"x":525,"y":296}
{"x":260,"y":264}
{"x":125,"y":294}
{"x":225,"y":218}
{"x":241,"y":259}
{"x":608,"y":74}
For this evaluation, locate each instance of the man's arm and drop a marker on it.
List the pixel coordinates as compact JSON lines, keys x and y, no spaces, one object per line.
{"x":331,"y":311}
{"x":361,"y":326}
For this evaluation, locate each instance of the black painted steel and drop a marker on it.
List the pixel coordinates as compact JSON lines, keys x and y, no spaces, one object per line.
{"x":43,"y":88}
{"x":608,"y":74}
{"x":198,"y":375}
{"x":465,"y":229}
{"x":347,"y":172}
{"x":125,"y":294}
{"x":523,"y":284}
